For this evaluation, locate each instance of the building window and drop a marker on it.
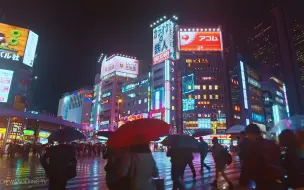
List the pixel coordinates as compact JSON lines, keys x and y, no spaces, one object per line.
{"x":145,"y":100}
{"x":173,"y":108}
{"x":210,"y":97}
{"x":216,"y":87}
{"x":189,"y":96}
{"x":197,"y":87}
{"x":198,"y":96}
{"x":139,"y":101}
{"x":210,"y":87}
{"x":129,"y":112}
{"x":204,"y":87}
{"x":216,"y":96}
{"x":205,"y":96}
{"x":195,"y":96}
{"x":173,"y":97}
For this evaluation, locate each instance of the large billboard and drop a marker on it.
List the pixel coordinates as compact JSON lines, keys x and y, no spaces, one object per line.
{"x":119,"y":64}
{"x":6,"y":77}
{"x":163,"y":42}
{"x":200,"y":41}
{"x":17,"y":44}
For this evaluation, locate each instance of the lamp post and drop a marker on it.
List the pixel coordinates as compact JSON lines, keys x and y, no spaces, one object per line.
{"x":118,"y":111}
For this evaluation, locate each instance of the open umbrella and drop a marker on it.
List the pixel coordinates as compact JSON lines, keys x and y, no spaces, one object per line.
{"x":294,"y":123}
{"x":138,"y":132}
{"x":104,"y":133}
{"x":203,"y":132}
{"x":66,"y":135}
{"x":180,"y":141}
{"x":235,"y":129}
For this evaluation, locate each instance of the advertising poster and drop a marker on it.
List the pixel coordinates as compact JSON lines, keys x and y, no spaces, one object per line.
{"x":119,"y":64}
{"x":5,"y":84}
{"x":200,"y":41}
{"x":163,"y":42}
{"x":12,"y":42}
{"x":30,"y":50}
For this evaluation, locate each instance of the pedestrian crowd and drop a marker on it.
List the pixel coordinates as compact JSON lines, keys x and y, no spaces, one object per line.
{"x":265,"y":163}
{"x":15,"y":149}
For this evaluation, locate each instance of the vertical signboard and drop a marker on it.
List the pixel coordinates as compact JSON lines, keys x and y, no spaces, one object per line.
{"x":163,"y":42}
{"x":5,"y":84}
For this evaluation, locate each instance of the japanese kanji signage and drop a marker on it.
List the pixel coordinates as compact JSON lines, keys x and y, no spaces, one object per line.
{"x":200,"y":41}
{"x":17,"y":44}
{"x":5,"y":84}
{"x":198,"y":60}
{"x":119,"y":64}
{"x":163,"y":42}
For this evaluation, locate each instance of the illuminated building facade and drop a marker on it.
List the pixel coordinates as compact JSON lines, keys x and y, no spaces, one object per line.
{"x":204,"y":80}
{"x":279,"y":42}
{"x":94,"y":121}
{"x":164,"y":71}
{"x":17,"y":54}
{"x":76,"y":107}
{"x":136,"y":99}
{"x":246,"y":95}
{"x":275,"y":101}
{"x":203,"y":92}
{"x":115,"y":71}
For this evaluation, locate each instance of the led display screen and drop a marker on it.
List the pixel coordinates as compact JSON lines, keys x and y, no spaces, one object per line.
{"x":30,"y":50}
{"x":188,"y":84}
{"x":17,"y":44}
{"x":5,"y":84}
{"x":200,"y":41}
{"x":188,"y":104}
{"x":163,"y":42}
{"x":119,"y":64}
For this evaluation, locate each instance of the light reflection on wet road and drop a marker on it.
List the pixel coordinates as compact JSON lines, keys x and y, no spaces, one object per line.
{"x":91,"y":174}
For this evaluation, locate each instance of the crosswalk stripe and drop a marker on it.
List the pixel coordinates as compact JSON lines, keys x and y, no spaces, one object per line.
{"x":92,"y":177}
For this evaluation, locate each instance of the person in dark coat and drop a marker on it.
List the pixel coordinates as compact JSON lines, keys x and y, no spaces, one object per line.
{"x":187,"y":153}
{"x":203,"y":150}
{"x":59,"y":163}
{"x":260,"y":160}
{"x":177,"y":166}
{"x":291,"y":161}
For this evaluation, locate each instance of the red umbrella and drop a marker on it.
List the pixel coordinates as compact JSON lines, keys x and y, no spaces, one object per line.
{"x":139,"y":131}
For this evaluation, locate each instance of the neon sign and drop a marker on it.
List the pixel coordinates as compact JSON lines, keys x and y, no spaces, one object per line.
{"x":198,"y":60}
{"x":188,"y":84}
{"x":188,"y":104}
{"x":163,"y":42}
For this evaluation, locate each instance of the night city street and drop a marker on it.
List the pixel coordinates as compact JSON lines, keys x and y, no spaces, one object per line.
{"x":91,"y":173}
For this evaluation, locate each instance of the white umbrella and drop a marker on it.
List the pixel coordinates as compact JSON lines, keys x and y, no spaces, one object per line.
{"x":235,"y":129}
{"x":293,"y":123}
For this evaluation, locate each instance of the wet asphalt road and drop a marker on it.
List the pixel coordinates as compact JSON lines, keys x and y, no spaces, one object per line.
{"x":25,"y":174}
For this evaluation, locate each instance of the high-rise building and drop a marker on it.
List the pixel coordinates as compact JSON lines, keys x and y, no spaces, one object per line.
{"x":246,"y":95}
{"x":164,"y":73}
{"x":275,"y":101}
{"x":204,"y":80}
{"x":95,"y":117}
{"x":115,"y":70}
{"x":76,"y":107}
{"x":136,"y":99}
{"x":279,"y":42}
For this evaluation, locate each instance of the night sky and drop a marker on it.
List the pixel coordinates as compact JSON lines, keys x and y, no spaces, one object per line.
{"x":73,"y":33}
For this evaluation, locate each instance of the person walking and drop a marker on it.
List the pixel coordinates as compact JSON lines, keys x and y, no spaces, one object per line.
{"x":203,"y":150}
{"x":260,"y":160}
{"x":187,"y":153}
{"x":59,"y":163}
{"x":291,"y":160}
{"x":218,"y":153}
{"x":140,"y":167}
{"x":177,"y":166}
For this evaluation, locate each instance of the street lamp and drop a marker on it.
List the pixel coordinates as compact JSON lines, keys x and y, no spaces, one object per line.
{"x":119,"y":101}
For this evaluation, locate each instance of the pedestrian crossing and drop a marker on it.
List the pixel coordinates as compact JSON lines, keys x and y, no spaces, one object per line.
{"x":91,"y":174}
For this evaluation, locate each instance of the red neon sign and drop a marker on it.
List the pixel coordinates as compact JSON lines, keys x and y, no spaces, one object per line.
{"x":200,"y":41}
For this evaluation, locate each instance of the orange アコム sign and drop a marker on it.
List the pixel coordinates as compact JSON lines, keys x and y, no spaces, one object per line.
{"x":200,"y":41}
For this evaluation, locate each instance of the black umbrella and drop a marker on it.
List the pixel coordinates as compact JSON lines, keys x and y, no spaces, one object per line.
{"x":180,"y":141}
{"x":66,"y":135}
{"x":203,"y":132}
{"x":104,"y":133}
